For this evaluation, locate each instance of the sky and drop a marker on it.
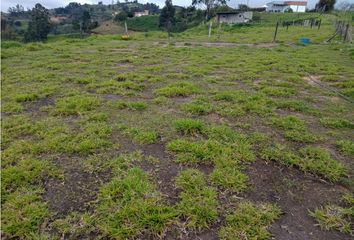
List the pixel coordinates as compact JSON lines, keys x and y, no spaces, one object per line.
{"x":5,"y":4}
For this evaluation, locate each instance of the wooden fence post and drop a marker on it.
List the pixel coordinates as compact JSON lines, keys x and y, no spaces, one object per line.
{"x":276,"y":31}
{"x":346,"y":32}
{"x":211,"y":23}
{"x":319,"y":24}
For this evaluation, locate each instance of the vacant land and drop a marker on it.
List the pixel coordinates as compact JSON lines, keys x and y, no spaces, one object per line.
{"x":103,"y":138}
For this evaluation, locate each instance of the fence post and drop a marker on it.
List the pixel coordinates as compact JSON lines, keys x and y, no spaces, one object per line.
{"x":319,"y":24}
{"x":346,"y":32}
{"x":211,"y":23}
{"x":126,"y":27}
{"x":276,"y":31}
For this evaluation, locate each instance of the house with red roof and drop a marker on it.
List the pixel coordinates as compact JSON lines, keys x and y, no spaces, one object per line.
{"x":286,"y":6}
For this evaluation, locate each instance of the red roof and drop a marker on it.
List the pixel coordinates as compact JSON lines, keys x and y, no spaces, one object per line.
{"x":296,"y":3}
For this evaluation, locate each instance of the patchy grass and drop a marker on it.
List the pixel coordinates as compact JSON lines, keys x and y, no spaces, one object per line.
{"x":249,"y":221}
{"x":295,"y":129}
{"x":213,"y":106}
{"x":312,"y":159}
{"x":334,"y":217}
{"x":337,"y":123}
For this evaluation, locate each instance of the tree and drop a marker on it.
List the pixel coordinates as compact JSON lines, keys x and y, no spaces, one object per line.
{"x":85,"y":21}
{"x":39,"y":25}
{"x":325,"y":5}
{"x":121,"y":16}
{"x":167,"y":17}
{"x":16,"y":11}
{"x":209,"y":4}
{"x":346,"y":6}
{"x":243,"y":7}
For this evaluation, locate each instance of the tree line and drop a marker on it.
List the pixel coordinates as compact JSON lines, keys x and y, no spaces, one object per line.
{"x":171,"y":18}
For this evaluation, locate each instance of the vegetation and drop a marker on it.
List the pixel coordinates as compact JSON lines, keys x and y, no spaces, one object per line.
{"x":179,"y":139}
{"x":249,"y":221}
{"x":330,"y":217}
{"x":39,"y":25}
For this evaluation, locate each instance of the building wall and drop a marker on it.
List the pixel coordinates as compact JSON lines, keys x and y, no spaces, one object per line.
{"x":297,"y":8}
{"x":272,"y":8}
{"x":235,"y":18}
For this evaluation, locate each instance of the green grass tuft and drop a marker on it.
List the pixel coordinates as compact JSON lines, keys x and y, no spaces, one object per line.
{"x":337,"y":123}
{"x":178,"y":89}
{"x":197,"y":107}
{"x":198,"y":205}
{"x":346,"y":146}
{"x":77,"y":104}
{"x":189,"y":126}
{"x":130,"y":206}
{"x":249,"y":221}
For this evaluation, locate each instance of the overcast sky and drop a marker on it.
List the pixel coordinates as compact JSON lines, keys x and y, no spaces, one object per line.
{"x":5,"y":4}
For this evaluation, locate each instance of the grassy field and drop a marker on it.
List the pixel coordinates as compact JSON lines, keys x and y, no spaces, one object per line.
{"x":150,"y":139}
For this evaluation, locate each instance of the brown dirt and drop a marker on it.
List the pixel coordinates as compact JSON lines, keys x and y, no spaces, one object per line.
{"x":77,"y":191}
{"x":295,"y":193}
{"x":224,"y":44}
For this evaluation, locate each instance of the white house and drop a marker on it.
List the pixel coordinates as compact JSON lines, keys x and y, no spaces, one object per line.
{"x":234,"y":17}
{"x":139,"y":14}
{"x":283,"y":6}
